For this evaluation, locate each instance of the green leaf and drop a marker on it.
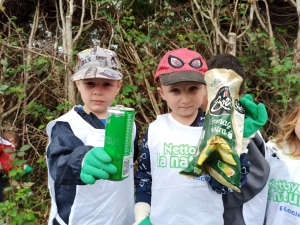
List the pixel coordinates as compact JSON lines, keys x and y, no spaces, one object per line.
{"x":109,"y":19}
{"x":170,"y":13}
{"x":4,"y":63}
{"x":59,"y":107}
{"x":21,"y":96}
{"x":9,"y":150}
{"x":49,"y":118}
{"x":3,"y":87}
{"x":288,"y":64}
{"x":20,"y":153}
{"x":25,"y":147}
{"x":12,"y":173}
{"x":41,"y":126}
{"x":40,"y":71}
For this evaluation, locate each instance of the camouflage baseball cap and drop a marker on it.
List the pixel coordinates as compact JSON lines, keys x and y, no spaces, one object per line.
{"x":97,"y":63}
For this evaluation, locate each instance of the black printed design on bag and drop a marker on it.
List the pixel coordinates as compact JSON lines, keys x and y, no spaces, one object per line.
{"x":221,"y":104}
{"x":238,"y":107}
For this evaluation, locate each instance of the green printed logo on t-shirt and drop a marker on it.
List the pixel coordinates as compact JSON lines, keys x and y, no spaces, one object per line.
{"x":175,"y":156}
{"x":283,"y":191}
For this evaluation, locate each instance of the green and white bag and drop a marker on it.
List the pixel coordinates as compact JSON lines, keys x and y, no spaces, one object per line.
{"x":219,"y":151}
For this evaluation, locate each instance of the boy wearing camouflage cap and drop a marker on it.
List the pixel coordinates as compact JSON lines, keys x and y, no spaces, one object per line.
{"x":78,"y":166}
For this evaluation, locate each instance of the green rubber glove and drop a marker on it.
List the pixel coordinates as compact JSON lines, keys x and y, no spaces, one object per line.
{"x":145,"y":221}
{"x":255,"y":117}
{"x":96,"y":165}
{"x":27,"y":168}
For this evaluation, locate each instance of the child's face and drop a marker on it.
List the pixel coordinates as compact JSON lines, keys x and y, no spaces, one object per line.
{"x":184,"y":99}
{"x":98,"y":94}
{"x":297,"y":128}
{"x":12,"y":140}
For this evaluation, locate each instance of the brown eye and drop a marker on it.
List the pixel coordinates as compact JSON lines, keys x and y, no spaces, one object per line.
{"x":196,"y":63}
{"x":175,"y":90}
{"x":89,"y":83}
{"x":175,"y":62}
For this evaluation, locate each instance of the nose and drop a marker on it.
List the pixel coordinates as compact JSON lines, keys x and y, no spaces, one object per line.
{"x":97,"y":90}
{"x":97,"y":93}
{"x":185,"y":99}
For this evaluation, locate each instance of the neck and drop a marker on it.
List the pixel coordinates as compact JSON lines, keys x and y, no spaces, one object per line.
{"x":295,"y":149}
{"x":185,"y":120}
{"x":100,"y":115}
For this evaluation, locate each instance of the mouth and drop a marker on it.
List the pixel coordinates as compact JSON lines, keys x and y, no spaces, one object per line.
{"x":97,"y":101}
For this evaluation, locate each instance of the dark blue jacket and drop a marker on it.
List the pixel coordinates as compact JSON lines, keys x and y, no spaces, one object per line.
{"x":65,"y":154}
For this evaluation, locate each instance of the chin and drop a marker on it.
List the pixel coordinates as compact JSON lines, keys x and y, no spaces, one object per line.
{"x":185,"y":114}
{"x":99,"y":109}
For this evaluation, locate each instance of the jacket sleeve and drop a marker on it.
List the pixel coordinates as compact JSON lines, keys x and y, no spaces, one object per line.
{"x":6,"y":157}
{"x":257,"y":179}
{"x":143,"y":178}
{"x":65,"y":154}
{"x":136,"y":146}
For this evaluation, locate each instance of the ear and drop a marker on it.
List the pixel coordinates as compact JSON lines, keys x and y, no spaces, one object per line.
{"x":12,"y":140}
{"x":120,"y":82}
{"x":161,"y":93}
{"x":77,"y":82}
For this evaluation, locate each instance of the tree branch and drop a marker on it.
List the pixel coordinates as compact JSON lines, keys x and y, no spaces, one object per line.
{"x":81,"y":22}
{"x":250,"y":22}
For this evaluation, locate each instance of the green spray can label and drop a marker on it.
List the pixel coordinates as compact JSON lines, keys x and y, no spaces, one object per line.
{"x":118,"y":139}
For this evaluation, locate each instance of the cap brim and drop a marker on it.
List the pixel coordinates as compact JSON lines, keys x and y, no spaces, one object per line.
{"x":97,"y":72}
{"x":182,"y":76}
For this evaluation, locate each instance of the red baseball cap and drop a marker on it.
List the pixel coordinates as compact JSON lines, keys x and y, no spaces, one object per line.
{"x":181,"y":65}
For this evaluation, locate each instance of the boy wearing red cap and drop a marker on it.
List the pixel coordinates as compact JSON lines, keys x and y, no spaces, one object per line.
{"x":170,"y":144}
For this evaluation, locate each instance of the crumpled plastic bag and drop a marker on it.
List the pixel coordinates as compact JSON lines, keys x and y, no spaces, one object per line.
{"x":219,"y":150}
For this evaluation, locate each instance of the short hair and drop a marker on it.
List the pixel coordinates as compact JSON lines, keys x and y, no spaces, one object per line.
{"x":227,"y":61}
{"x":10,"y":134}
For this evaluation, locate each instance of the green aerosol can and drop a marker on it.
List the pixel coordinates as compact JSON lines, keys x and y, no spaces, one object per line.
{"x":118,"y":139}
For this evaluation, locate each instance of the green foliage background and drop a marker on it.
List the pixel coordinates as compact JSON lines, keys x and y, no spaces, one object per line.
{"x":32,"y":90}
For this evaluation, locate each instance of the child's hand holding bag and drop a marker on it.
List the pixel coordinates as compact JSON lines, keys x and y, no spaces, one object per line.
{"x":256,"y":115}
